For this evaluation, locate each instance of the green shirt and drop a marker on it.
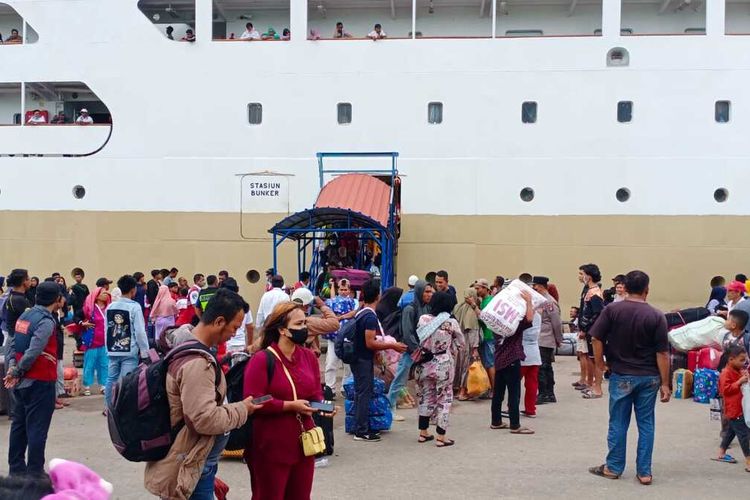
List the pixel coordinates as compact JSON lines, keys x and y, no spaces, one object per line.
{"x":488,"y":335}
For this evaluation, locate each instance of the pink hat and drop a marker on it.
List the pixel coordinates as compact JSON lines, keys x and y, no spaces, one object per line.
{"x":736,"y":286}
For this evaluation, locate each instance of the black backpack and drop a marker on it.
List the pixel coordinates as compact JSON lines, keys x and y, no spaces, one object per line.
{"x":139,"y":418}
{"x":344,"y":345}
{"x":240,"y":438}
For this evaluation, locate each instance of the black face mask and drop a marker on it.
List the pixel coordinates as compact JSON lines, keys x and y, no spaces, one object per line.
{"x":298,"y":336}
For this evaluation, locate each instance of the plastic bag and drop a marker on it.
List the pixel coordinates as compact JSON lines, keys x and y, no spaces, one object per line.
{"x":714,"y":410}
{"x":746,"y":402}
{"x":506,"y":309}
{"x":477,"y":382}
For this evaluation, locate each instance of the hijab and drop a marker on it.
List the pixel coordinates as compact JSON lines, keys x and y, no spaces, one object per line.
{"x":465,"y":314}
{"x":90,"y":302}
{"x":719,"y":294}
{"x":442,"y":302}
{"x":388,"y":302}
{"x":164,"y":304}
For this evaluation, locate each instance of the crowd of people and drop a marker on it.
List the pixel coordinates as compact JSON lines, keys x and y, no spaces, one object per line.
{"x":428,"y":333}
{"x":37,"y":117}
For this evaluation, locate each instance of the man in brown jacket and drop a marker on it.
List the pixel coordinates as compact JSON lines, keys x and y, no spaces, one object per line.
{"x":188,"y":471}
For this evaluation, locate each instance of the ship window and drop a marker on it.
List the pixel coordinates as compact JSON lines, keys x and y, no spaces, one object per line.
{"x":524,"y":33}
{"x":528,"y":112}
{"x":253,"y":276}
{"x":721,"y":111}
{"x":79,"y":192}
{"x":435,"y":112}
{"x":695,"y":31}
{"x":618,"y":57}
{"x":527,"y":194}
{"x":344,"y":112}
{"x":255,"y":113}
{"x":175,"y":20}
{"x":624,"y":111}
{"x":622,"y":195}
{"x":721,"y":195}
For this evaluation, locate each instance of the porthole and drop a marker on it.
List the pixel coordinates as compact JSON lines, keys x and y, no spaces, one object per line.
{"x":79,"y":192}
{"x":721,"y":195}
{"x":618,"y":57}
{"x":622,"y":195}
{"x":527,"y":194}
{"x":252,"y":276}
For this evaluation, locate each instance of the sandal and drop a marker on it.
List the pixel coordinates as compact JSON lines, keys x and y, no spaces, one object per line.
{"x":443,"y":443}
{"x":522,"y":430}
{"x":583,"y":387}
{"x":601,"y":472}
{"x":591,"y":395}
{"x":644,"y":480}
{"x":424,"y":439}
{"x":727,"y":459}
{"x":501,"y":426}
{"x":577,"y":385}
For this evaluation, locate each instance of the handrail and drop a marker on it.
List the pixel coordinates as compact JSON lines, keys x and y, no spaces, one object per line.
{"x":34,"y":125}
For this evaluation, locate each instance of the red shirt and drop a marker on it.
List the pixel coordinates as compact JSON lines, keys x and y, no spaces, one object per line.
{"x":275,"y":432}
{"x":730,"y":391}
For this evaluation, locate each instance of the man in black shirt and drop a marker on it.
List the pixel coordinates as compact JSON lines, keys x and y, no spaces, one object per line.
{"x":17,"y":303}
{"x":365,"y":345}
{"x":152,"y":287}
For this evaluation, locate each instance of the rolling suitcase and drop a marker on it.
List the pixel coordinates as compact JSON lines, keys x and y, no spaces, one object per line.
{"x":326,"y":423}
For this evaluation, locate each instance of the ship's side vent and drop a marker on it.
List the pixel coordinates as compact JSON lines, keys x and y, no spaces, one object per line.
{"x":721,"y":195}
{"x":435,"y":113}
{"x":622,"y":195}
{"x":618,"y":56}
{"x":625,"y":111}
{"x":527,"y":194}
{"x":255,"y":113}
{"x":344,"y":113}
{"x":721,"y":111}
{"x":79,"y":192}
{"x":528,"y":112}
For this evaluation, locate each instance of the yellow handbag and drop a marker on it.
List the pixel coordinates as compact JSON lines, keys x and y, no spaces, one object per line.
{"x":313,"y":441}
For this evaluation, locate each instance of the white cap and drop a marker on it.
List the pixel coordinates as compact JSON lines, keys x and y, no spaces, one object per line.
{"x":413,"y":280}
{"x":84,"y":110}
{"x":303,"y":296}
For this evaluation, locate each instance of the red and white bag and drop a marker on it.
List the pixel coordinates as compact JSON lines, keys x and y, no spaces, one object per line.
{"x":506,"y":309}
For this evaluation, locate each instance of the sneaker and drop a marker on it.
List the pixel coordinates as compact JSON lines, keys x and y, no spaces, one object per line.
{"x":371,"y":437}
{"x":529,"y":415}
{"x":321,"y":463}
{"x":398,"y":418}
{"x":551,"y":399}
{"x":86,"y":392}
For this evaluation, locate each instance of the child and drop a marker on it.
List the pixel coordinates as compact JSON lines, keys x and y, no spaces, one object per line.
{"x":185,"y":310}
{"x":730,"y":381}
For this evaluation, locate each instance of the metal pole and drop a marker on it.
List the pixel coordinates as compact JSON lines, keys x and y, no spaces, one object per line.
{"x":23,"y":104}
{"x":274,"y":253}
{"x":413,"y":19}
{"x":494,"y":18}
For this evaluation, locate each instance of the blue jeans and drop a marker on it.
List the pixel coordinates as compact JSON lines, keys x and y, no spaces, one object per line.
{"x":95,"y":362}
{"x":628,"y":393}
{"x":32,"y":416}
{"x":119,"y":366}
{"x":400,"y":378}
{"x":204,"y":490}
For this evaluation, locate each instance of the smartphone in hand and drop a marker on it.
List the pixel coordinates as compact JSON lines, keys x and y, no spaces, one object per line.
{"x":262,"y":399}
{"x":324,"y":406}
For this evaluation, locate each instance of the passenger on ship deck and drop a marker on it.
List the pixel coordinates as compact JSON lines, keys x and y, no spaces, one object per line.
{"x":340,"y":32}
{"x":58,"y":119}
{"x":14,"y":37}
{"x":189,"y":36}
{"x":377,"y":33}
{"x":170,"y":30}
{"x":250,"y":33}
{"x":286,"y":34}
{"x":36,"y":119}
{"x":84,"y":119}
{"x":270,"y":34}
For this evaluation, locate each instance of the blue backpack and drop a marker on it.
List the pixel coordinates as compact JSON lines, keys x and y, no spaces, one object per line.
{"x":344,"y":345}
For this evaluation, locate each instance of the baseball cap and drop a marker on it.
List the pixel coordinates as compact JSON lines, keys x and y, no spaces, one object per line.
{"x":413,"y":280}
{"x":84,"y":110}
{"x":302,"y":296}
{"x":103,"y":282}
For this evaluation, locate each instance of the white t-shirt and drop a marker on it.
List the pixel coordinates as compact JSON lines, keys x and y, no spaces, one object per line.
{"x":237,"y":343}
{"x":250,"y":35}
{"x":85,"y":119}
{"x":375,"y":34}
{"x":36,"y":119}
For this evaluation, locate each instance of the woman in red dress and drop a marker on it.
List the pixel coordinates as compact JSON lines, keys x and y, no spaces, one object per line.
{"x":278,"y":467}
